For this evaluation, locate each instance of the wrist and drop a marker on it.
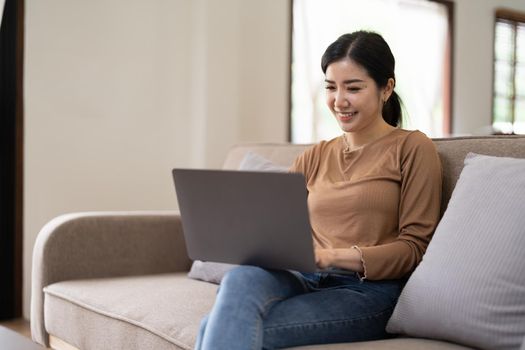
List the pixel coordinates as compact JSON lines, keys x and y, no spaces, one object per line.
{"x":350,"y":259}
{"x":325,"y":258}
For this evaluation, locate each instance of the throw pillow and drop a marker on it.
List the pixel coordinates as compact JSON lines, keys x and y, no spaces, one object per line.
{"x":254,"y":162}
{"x":470,"y":286}
{"x":208,"y":271}
{"x":213,"y":272}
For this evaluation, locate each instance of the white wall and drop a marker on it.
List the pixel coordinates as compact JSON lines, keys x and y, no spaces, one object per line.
{"x":119,"y":92}
{"x":473,"y":60}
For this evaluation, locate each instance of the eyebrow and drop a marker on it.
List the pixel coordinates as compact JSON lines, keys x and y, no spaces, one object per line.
{"x":349,"y":81}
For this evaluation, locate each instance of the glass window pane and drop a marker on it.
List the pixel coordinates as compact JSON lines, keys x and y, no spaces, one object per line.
{"x":519,"y":128}
{"x":420,"y":75}
{"x":520,"y":80}
{"x":519,"y":110}
{"x":520,"y":42}
{"x":504,"y":43}
{"x":503,"y":79}
{"x":502,"y":110}
{"x":519,"y":124}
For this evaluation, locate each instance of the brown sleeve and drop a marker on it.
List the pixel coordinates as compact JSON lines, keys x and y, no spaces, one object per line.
{"x":307,"y":162}
{"x":419,"y":203}
{"x":298,"y":166}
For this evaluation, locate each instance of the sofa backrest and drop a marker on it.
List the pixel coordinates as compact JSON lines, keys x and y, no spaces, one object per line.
{"x":451,"y":150}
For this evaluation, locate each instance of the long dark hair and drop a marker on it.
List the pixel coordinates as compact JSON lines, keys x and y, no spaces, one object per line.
{"x":369,"y":50}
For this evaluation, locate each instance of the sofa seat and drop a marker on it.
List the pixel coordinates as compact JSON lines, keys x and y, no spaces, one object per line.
{"x":160,"y":311}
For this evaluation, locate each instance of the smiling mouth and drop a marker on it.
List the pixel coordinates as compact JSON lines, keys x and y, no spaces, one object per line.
{"x":345,"y":117}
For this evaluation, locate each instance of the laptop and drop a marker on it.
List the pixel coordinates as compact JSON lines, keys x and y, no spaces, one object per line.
{"x":246,"y":218}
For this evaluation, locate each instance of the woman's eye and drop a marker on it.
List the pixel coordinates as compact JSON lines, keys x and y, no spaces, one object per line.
{"x":354,"y":89}
{"x":329,"y":87}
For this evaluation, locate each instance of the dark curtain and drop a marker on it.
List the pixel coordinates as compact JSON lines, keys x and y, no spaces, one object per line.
{"x":11,"y":37}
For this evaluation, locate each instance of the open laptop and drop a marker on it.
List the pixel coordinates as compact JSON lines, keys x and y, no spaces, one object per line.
{"x":246,"y":218}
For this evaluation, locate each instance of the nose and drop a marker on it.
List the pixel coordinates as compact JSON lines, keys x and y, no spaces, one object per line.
{"x":340,"y":100}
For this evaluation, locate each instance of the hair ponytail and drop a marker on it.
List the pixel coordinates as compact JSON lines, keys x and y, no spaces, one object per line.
{"x":392,"y":110}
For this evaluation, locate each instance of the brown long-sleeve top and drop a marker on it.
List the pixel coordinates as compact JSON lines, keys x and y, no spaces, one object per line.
{"x":383,"y":198}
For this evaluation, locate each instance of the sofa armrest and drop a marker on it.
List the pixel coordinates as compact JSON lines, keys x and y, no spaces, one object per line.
{"x":103,"y":244}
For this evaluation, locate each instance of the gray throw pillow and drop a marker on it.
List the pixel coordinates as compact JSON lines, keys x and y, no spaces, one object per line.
{"x":254,"y":162}
{"x":213,"y":271}
{"x":470,"y":286}
{"x":208,"y":271}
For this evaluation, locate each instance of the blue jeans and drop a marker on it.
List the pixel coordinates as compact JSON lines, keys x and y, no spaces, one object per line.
{"x":269,"y":309}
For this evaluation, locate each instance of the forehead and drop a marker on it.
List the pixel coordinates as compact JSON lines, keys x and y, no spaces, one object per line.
{"x":346,"y":69}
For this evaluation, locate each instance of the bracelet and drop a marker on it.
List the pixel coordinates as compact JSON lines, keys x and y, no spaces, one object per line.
{"x":361,"y":278}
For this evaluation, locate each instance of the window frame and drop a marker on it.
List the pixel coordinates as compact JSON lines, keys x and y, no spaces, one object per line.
{"x":516,"y":18}
{"x":11,"y":189}
{"x":448,"y":76}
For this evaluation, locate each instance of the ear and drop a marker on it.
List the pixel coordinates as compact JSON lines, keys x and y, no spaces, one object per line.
{"x":388,"y":89}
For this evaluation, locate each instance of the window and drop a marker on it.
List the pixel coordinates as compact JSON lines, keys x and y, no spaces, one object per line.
{"x":509,"y":73}
{"x":419,"y":35}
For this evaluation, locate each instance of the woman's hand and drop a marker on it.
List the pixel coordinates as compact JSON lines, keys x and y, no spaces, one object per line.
{"x":345,"y":258}
{"x":324,"y":258}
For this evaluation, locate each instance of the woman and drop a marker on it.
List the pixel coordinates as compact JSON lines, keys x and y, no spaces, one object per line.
{"x":373,"y":197}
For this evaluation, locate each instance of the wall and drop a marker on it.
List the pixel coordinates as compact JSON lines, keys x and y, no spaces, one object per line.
{"x":473,"y":55}
{"x":119,"y":92}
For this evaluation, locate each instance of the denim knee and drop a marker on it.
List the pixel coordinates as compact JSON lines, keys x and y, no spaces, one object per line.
{"x":241,"y":276}
{"x":261,"y":284}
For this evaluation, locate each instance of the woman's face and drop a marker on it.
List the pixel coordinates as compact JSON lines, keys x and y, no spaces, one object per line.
{"x":353,"y":97}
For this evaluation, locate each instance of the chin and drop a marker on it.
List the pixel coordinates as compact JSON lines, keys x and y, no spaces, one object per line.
{"x":346,"y":127}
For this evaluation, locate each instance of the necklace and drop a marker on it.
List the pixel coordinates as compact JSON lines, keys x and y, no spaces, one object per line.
{"x":346,"y":149}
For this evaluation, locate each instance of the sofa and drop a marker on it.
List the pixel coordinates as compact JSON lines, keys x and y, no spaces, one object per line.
{"x":119,"y":280}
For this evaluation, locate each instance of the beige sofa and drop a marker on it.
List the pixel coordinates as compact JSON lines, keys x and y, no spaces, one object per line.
{"x":118,"y":280}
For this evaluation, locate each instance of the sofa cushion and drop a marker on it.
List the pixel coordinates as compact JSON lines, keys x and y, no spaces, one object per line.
{"x":452,"y":152}
{"x":209,"y":271}
{"x":142,"y":312}
{"x":282,"y":154}
{"x":255,"y":162}
{"x":155,"y":312}
{"x":389,"y":344}
{"x":470,"y":286}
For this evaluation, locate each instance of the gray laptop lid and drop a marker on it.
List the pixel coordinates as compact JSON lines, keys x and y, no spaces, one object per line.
{"x":250,"y":218}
